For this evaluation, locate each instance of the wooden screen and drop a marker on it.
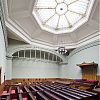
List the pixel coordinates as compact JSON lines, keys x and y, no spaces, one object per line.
{"x":89,"y":70}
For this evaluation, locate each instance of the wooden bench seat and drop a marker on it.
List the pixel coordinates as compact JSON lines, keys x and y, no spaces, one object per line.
{"x":70,"y":94}
{"x":42,"y":96}
{"x":29,"y":93}
{"x":52,"y":96}
{"x":67,"y":97}
{"x":77,"y":91}
{"x":33,"y":88}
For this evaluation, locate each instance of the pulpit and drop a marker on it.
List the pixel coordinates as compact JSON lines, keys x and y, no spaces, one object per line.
{"x":89,"y":70}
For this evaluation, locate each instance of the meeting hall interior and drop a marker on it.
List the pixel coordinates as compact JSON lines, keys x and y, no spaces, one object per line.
{"x":49,"y":49}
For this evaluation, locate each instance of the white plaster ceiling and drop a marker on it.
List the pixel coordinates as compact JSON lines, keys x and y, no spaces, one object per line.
{"x":20,"y":21}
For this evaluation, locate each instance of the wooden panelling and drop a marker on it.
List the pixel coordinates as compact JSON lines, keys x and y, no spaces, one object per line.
{"x":30,"y":80}
{"x":89,"y":73}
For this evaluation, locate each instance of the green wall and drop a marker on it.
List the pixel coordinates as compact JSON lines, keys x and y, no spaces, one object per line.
{"x":37,"y":69}
{"x":88,"y":53}
{"x":34,"y":69}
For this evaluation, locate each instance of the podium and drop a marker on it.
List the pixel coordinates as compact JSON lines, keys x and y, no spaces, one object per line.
{"x":89,"y":70}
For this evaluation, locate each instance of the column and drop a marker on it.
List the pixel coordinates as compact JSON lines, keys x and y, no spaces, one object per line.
{"x":9,"y":68}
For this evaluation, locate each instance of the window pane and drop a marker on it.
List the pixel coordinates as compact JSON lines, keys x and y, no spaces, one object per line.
{"x":45,"y":14}
{"x":54,"y":57}
{"x":46,"y":55}
{"x":42,"y":54}
{"x":15,"y":54}
{"x":32,"y":53}
{"x":73,"y":17}
{"x":52,"y":22}
{"x":79,"y":7}
{"x":50,"y":57}
{"x":21,"y":53}
{"x":58,"y":58}
{"x":37,"y":54}
{"x":63,"y":23}
{"x":45,"y":3}
{"x":27,"y":53}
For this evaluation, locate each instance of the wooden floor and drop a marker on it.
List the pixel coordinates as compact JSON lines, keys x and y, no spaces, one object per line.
{"x":46,"y":91}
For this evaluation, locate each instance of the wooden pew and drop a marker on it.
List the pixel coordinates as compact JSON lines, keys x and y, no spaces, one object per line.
{"x":5,"y":97}
{"x":45,"y":87}
{"x":42,"y":96}
{"x":20,"y":95}
{"x":81,"y":93}
{"x":57,"y":93}
{"x":51,"y":87}
{"x":50,"y":95}
{"x":38,"y":87}
{"x":48,"y":91}
{"x":77,"y":91}
{"x":70,"y":95}
{"x":29,"y":93}
{"x":74,"y":93}
{"x":67,"y":97}
{"x":35,"y":90}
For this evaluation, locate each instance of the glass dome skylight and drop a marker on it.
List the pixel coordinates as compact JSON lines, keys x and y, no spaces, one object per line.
{"x":61,"y":16}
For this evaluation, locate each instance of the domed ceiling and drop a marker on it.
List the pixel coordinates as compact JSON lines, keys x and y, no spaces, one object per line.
{"x":61,"y":16}
{"x":53,"y":23}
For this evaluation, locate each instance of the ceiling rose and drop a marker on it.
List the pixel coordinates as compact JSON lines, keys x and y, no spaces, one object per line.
{"x":61,"y":16}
